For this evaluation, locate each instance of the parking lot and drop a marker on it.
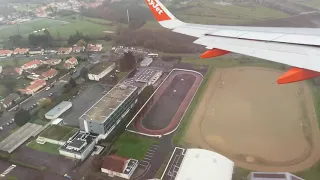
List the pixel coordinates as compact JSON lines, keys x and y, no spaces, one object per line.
{"x":82,"y":102}
{"x":145,"y":164}
{"x":174,"y":164}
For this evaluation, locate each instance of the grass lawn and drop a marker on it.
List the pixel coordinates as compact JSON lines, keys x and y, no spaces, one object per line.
{"x":312,"y":173}
{"x":208,"y":12}
{"x":12,"y":62}
{"x":57,"y":132}
{"x":121,"y":75}
{"x":25,"y":7}
{"x":46,"y":147}
{"x":133,"y":146}
{"x":28,"y":27}
{"x":81,"y":25}
{"x":39,"y":121}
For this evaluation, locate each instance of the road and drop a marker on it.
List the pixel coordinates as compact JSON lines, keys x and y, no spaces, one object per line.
{"x":8,"y":115}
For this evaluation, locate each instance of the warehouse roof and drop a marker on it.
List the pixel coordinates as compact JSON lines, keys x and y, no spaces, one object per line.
{"x":100,"y":67}
{"x":103,"y":108}
{"x":58,"y":108}
{"x":204,"y":164}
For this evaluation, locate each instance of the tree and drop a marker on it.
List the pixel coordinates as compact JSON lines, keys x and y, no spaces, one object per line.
{"x":41,"y":113}
{"x":84,"y":73}
{"x":22,"y":117}
{"x":15,"y":40}
{"x":128,"y":62}
{"x":72,"y":82}
{"x":82,"y":43}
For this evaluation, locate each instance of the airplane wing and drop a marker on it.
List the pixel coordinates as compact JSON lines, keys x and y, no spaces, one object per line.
{"x":297,"y":47}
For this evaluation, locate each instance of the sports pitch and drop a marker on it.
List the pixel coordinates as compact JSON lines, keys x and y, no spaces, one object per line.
{"x":258,"y":124}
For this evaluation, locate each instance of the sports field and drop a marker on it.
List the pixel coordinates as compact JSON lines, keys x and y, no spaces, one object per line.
{"x":258,"y":124}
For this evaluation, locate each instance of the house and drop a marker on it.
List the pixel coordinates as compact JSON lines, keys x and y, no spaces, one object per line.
{"x":53,"y":62}
{"x":118,"y":166}
{"x":100,"y":70}
{"x":65,"y":50}
{"x":9,"y":100}
{"x":94,"y":47}
{"x":5,"y":53}
{"x":70,"y":63}
{"x":49,"y":74}
{"x":34,"y":87}
{"x":77,"y":49}
{"x":31,"y":64}
{"x":36,"y":51}
{"x":50,"y":51}
{"x":21,"y":51}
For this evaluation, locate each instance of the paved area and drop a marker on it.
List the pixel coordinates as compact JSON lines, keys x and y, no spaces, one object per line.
{"x":54,"y":163}
{"x":82,"y":103}
{"x":169,"y":103}
{"x":173,"y":165}
{"x":19,"y":137}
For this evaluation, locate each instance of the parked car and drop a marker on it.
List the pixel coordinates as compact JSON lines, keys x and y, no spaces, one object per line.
{"x":7,"y":124}
{"x":47,"y":88}
{"x":1,"y":128}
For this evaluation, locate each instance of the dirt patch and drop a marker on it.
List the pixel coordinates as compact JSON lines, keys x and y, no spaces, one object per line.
{"x":257,"y":123}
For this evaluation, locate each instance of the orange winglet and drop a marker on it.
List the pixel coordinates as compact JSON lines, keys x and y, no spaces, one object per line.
{"x":214,"y":53}
{"x":297,"y":74}
{"x":157,"y":11}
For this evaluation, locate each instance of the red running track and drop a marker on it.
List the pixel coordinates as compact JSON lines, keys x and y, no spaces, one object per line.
{"x":181,"y":110}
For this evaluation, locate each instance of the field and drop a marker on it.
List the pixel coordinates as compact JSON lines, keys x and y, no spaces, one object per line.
{"x":256,"y":123}
{"x":58,"y":132}
{"x":133,"y":146}
{"x":207,"y":12}
{"x":46,"y":147}
{"x":28,"y":27}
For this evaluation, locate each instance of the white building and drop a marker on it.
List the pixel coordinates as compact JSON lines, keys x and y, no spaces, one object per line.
{"x":146,"y":62}
{"x":273,"y":176}
{"x":100,"y":70}
{"x":79,"y":146}
{"x":205,"y":165}
{"x":118,"y":166}
{"x":58,"y":110}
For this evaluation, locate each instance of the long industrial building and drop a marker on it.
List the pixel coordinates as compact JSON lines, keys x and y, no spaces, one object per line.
{"x":105,"y":114}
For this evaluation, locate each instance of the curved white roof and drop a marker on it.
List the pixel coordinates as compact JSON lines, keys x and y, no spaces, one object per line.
{"x":205,"y":165}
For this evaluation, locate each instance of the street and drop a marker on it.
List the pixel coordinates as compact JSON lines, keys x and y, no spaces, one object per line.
{"x":8,"y":115}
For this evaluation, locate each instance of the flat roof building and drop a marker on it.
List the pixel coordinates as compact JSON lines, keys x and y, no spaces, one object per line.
{"x":106,"y":113}
{"x":58,"y":110}
{"x":205,"y":165}
{"x":79,"y":145}
{"x":149,"y":76}
{"x":100,"y":70}
{"x":146,"y":62}
{"x":273,"y":176}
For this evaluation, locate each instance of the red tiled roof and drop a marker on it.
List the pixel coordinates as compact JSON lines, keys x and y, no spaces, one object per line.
{"x":114,"y":163}
{"x":49,"y":73}
{"x":72,"y":60}
{"x":31,"y":63}
{"x":18,"y":70}
{"x":35,"y":84}
{"x":4,"y":52}
{"x":21,"y":50}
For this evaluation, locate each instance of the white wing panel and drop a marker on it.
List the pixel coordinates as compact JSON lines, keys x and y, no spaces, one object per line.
{"x":228,"y":33}
{"x":293,"y":55}
{"x":300,"y":39}
{"x":261,"y":36}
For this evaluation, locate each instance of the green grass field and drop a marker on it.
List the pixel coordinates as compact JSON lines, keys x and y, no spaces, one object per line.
{"x":46,"y":147}
{"x":28,"y":27}
{"x":58,"y":132}
{"x":133,"y":146}
{"x":208,"y":12}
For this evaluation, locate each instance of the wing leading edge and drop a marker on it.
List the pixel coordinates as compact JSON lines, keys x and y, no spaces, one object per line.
{"x":297,"y":47}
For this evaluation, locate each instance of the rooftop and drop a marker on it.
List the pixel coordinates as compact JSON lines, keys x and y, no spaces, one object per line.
{"x":60,"y":107}
{"x":31,"y":63}
{"x":146,"y":75}
{"x":273,"y":176}
{"x":102,"y":109}
{"x":78,"y":142}
{"x":100,"y":67}
{"x":10,"y":98}
{"x":71,"y":60}
{"x":5,"y":51}
{"x":35,"y":84}
{"x":204,"y":164}
{"x":49,"y":73}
